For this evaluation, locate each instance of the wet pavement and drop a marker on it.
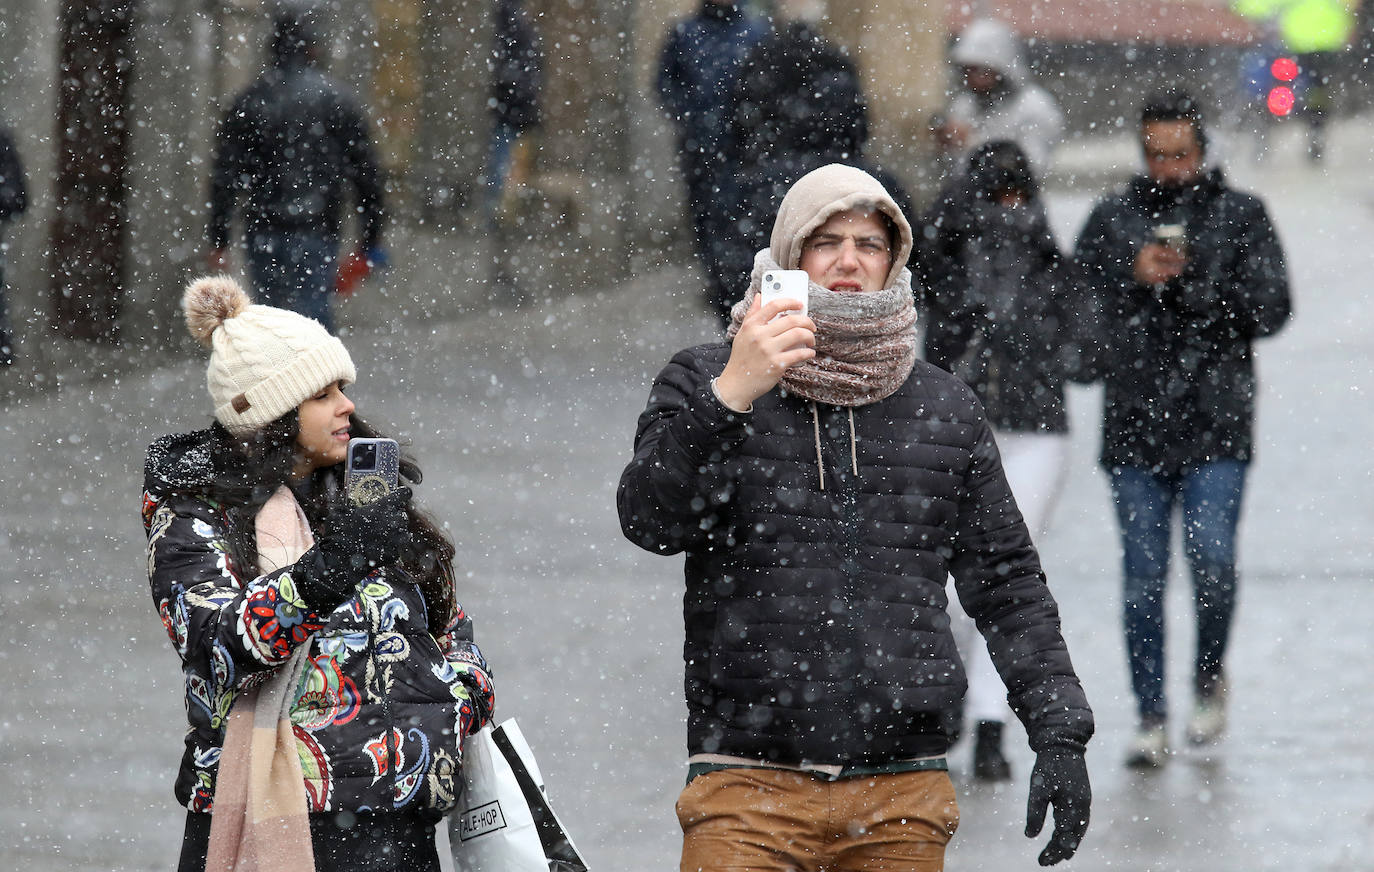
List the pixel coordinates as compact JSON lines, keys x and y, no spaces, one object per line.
{"x":523,"y":418}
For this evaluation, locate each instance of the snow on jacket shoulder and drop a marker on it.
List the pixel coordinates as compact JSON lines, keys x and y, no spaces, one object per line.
{"x":383,"y":703}
{"x":815,"y":619}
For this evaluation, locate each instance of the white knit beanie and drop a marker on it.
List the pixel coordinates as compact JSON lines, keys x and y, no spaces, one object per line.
{"x":264,"y":361}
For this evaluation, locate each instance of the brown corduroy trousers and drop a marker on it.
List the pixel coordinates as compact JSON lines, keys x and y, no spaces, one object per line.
{"x":774,"y":820}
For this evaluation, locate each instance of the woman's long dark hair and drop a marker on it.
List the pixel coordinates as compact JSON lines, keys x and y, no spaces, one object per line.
{"x":250,"y":468}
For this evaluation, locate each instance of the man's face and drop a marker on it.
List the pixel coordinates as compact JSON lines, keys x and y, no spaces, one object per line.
{"x":1173,"y":155}
{"x":982,"y":80}
{"x":849,"y":252}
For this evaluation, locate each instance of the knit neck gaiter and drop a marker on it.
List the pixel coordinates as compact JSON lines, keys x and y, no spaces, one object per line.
{"x":865,"y":341}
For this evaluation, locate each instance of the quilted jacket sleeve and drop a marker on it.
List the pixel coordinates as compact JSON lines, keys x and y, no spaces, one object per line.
{"x":674,"y":493}
{"x":1000,"y":583}
{"x":211,"y":614}
{"x":472,"y":688}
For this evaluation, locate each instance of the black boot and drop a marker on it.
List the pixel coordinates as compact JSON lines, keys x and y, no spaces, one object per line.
{"x":988,"y":762}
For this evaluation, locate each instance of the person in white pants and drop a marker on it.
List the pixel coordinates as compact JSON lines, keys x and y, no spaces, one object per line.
{"x":997,"y":316}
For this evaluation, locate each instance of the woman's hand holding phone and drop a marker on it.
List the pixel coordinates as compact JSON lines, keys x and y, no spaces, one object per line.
{"x":764,"y":348}
{"x":354,"y":541}
{"x":374,"y":531}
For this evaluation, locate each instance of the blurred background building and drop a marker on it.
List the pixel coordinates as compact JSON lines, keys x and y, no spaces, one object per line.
{"x":604,"y":179}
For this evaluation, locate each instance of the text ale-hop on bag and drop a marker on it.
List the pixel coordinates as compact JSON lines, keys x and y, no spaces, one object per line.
{"x":505,"y":822}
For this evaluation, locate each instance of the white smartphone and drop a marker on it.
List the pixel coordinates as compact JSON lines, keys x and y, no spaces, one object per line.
{"x":790,"y":283}
{"x":371,"y":469}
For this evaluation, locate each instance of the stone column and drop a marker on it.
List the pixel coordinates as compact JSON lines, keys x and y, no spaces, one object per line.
{"x":171,"y":143}
{"x":453,"y":125}
{"x":657,"y":190}
{"x":900,"y":48}
{"x":28,"y":82}
{"x":93,"y":119}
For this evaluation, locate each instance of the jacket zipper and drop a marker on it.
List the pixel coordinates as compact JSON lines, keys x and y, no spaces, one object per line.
{"x":847,"y":494}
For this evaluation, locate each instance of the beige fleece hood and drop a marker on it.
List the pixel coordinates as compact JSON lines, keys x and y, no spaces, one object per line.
{"x":820,"y":194}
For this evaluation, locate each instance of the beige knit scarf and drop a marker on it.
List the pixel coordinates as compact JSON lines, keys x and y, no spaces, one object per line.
{"x":865,"y":342}
{"x":260,"y":820}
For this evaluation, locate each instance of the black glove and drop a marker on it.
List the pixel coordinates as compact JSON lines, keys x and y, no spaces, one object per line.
{"x":1060,"y":778}
{"x":355,"y":541}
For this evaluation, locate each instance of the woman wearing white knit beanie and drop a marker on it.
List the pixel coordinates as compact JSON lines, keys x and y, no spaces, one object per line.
{"x":330,"y":673}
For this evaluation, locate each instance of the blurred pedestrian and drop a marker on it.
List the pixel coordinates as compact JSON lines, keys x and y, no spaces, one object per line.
{"x":699,"y":67}
{"x":1185,"y":273}
{"x":996,"y":301}
{"x":998,"y":99}
{"x":516,"y":77}
{"x":290,"y":146}
{"x":799,"y":105}
{"x":13,"y":202}
{"x":330,"y":674}
{"x":823,"y":483}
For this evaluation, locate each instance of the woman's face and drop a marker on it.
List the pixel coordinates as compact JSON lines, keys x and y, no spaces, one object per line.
{"x":323,"y":437}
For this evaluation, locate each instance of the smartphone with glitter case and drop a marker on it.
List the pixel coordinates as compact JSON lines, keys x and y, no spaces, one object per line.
{"x":372,"y":469}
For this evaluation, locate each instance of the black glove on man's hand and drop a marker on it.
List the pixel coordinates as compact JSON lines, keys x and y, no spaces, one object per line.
{"x":355,"y":541}
{"x":1060,"y":778}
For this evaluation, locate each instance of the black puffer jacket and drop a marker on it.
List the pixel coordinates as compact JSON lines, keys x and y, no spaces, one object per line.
{"x":1176,"y":360}
{"x":288,"y":146}
{"x":815,"y":618}
{"x":383,"y":703}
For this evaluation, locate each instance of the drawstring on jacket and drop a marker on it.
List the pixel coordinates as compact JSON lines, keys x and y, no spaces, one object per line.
{"x":853,"y":443}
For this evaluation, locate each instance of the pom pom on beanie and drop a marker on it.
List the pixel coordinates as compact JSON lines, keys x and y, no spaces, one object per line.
{"x":264,"y":361}
{"x":209,"y":302}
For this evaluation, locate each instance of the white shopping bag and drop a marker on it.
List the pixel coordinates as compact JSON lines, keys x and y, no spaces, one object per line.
{"x":505,"y":823}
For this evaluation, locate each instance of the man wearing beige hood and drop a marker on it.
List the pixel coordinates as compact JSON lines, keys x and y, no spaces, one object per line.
{"x":823,"y":484}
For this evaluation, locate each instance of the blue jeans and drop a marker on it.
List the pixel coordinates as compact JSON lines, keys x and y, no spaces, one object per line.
{"x":1209,"y":495}
{"x":499,"y":147}
{"x":295,"y":271}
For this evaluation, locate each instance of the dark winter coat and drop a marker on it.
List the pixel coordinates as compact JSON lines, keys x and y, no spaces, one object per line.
{"x":995,"y":296}
{"x":515,"y":67}
{"x":1176,"y":360}
{"x":796,"y":93}
{"x":290,"y":146}
{"x":13,"y":194}
{"x":798,"y":107}
{"x":815,"y":618}
{"x":383,"y":705}
{"x":698,"y":70}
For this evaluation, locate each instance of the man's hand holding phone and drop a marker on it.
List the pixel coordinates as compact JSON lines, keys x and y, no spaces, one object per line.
{"x":1163,"y":258}
{"x":764,"y":348}
{"x":1157,"y":264}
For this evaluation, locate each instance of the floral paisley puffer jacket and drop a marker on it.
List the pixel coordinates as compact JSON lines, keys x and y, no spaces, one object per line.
{"x":382,"y":705}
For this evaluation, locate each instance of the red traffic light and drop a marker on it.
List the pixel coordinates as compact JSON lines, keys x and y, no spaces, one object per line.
{"x":1284,"y":69}
{"x":1280,"y":100}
